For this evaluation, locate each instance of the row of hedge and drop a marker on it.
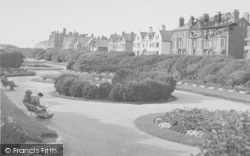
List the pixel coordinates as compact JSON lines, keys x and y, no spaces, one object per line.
{"x":223,"y":71}
{"x":146,"y":90}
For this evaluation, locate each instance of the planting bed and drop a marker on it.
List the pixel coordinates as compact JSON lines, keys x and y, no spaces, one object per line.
{"x":224,"y":132}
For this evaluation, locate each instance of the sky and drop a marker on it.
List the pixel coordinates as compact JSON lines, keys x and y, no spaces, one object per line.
{"x":26,"y":22}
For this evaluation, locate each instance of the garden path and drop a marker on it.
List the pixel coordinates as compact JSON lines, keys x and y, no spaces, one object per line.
{"x":100,"y":128}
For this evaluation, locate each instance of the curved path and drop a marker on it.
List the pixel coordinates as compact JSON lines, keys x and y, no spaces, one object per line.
{"x":107,"y":129}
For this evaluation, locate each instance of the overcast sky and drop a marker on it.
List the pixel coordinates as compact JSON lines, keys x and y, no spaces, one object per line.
{"x":26,"y":22}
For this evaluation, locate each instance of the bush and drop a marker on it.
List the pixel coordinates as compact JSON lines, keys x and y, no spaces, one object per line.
{"x":75,"y":89}
{"x":90,"y":91}
{"x":104,"y":89}
{"x":59,"y":80}
{"x":147,"y":90}
{"x":70,"y":65}
{"x":66,"y":84}
{"x":121,"y":76}
{"x":238,"y":77}
{"x":155,"y":90}
{"x":117,"y":93}
{"x":133,"y":91}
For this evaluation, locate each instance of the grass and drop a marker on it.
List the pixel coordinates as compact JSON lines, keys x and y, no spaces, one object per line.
{"x":244,"y":98}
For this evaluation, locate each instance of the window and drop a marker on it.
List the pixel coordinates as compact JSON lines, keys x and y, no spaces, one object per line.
{"x":157,"y":52}
{"x":157,"y":45}
{"x":222,"y":43}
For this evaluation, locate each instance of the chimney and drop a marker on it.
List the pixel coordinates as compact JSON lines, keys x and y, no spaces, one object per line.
{"x":64,"y":31}
{"x":205,"y":17}
{"x":236,"y":15}
{"x":163,"y":27}
{"x":150,"y":29}
{"x":246,"y":16}
{"x":191,"y":20}
{"x":181,"y":21}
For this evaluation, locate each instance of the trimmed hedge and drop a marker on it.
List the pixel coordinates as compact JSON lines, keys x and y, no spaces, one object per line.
{"x":104,"y":89}
{"x":222,"y":71}
{"x":89,"y":91}
{"x":146,"y":90}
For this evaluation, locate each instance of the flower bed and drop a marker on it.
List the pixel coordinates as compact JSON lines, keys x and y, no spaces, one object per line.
{"x":224,"y":132}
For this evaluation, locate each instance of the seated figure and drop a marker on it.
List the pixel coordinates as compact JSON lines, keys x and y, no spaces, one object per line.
{"x":6,"y":82}
{"x":33,"y":104}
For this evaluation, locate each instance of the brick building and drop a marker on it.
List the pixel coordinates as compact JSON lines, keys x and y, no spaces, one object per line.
{"x":223,"y":41}
{"x":247,"y":47}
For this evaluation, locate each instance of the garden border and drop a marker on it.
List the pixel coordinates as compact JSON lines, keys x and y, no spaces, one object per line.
{"x":145,"y":123}
{"x":178,"y":87}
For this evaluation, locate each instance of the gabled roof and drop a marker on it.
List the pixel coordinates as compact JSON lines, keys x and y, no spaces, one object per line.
{"x":115,"y":37}
{"x":184,"y":27}
{"x":101,"y":42}
{"x":143,"y":34}
{"x":129,"y":37}
{"x":166,"y":35}
{"x":83,"y":40}
{"x":151,"y":35}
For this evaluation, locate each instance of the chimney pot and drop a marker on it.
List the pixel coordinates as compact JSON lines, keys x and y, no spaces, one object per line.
{"x":163,"y":27}
{"x":150,"y":29}
{"x":246,"y":16}
{"x":181,"y":21}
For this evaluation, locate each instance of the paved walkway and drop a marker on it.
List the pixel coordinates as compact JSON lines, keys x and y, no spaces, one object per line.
{"x":97,"y":128}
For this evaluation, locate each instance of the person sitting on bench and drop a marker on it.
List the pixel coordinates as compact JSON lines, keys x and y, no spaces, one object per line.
{"x":6,"y":82}
{"x":35,"y":101}
{"x":34,"y":105}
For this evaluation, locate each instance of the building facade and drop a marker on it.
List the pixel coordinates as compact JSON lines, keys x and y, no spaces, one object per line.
{"x":99,"y":44}
{"x":81,"y":43}
{"x":56,"y":39}
{"x":122,"y":42}
{"x":247,"y":47}
{"x":158,"y":42}
{"x":227,"y":39}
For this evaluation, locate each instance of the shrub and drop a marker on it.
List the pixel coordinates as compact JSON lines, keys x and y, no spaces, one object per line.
{"x":104,"y":89}
{"x":117,"y":93}
{"x":89,"y":91}
{"x":238,"y":77}
{"x":155,"y":90}
{"x":59,"y":80}
{"x":132,"y":91}
{"x":121,"y":76}
{"x":65,"y":85}
{"x":70,"y":65}
{"x":76,"y":88}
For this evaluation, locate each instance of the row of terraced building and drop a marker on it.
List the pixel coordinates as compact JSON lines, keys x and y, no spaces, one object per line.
{"x":225,"y":40}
